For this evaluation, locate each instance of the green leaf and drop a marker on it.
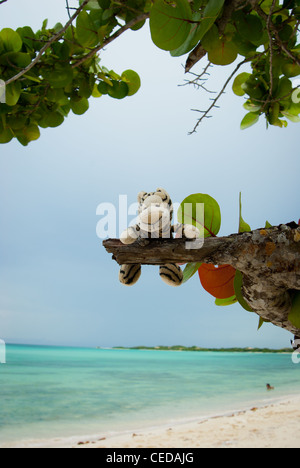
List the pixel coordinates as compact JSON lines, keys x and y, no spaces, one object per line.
{"x":18,"y":59}
{"x":243,"y":226}
{"x":250,"y":27}
{"x":79,"y":107}
{"x":170,"y":23}
{"x":53,"y":120}
{"x":291,"y":117}
{"x":250,"y":119}
{"x":260,"y":323}
{"x":59,"y":76}
{"x":237,"y":84}
{"x":190,"y":270}
{"x":85,"y":29}
{"x":268,"y":225}
{"x":226,"y":302}
{"x":13,"y":93}
{"x":133,"y":81}
{"x":294,"y":315}
{"x":104,"y":4}
{"x":211,"y":13}
{"x":118,"y":90}
{"x":103,"y":87}
{"x":192,"y":40}
{"x":224,"y":53}
{"x":28,"y":134}
{"x":191,"y":212}
{"x":27,"y":36}
{"x":6,"y":135}
{"x":11,"y":40}
{"x":249,"y":106}
{"x":238,"y":284}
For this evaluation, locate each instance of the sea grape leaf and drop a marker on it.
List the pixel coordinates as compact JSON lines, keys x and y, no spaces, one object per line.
{"x":243,"y":226}
{"x":218,"y":281}
{"x":250,"y":27}
{"x":294,"y":315}
{"x":52,"y":120}
{"x":28,"y":134}
{"x":104,"y":4}
{"x":191,"y":212}
{"x":190,"y":270}
{"x":133,"y":81}
{"x":260,"y":323}
{"x":118,"y":90}
{"x":11,"y":40}
{"x":210,"y":14}
{"x":250,"y":119}
{"x":237,"y":84}
{"x":170,"y":24}
{"x":13,"y":93}
{"x":27,"y":36}
{"x":6,"y":135}
{"x":85,"y":30}
{"x":238,"y":284}
{"x":58,"y":76}
{"x":226,"y":302}
{"x":192,"y":39}
{"x":79,"y":107}
{"x":224,"y":53}
{"x":17,"y":59}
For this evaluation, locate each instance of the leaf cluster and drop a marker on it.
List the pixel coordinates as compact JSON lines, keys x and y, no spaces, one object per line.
{"x":66,"y":76}
{"x":264,"y":34}
{"x":55,"y":71}
{"x":223,"y":282}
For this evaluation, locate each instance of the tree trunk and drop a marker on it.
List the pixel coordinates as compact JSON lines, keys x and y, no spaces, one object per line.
{"x":268,"y":258}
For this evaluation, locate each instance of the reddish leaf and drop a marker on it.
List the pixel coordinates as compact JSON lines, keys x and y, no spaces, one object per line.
{"x":218,"y":281}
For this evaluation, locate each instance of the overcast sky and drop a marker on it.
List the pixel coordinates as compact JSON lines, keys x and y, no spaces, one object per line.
{"x":57,"y":283}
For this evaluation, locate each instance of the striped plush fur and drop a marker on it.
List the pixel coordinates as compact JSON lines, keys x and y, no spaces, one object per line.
{"x":171,"y":274}
{"x":130,"y":274}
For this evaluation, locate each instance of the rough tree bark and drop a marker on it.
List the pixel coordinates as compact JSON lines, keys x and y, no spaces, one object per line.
{"x":268,"y":258}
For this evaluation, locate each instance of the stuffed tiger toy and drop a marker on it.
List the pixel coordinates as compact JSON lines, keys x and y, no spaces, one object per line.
{"x":154,"y":221}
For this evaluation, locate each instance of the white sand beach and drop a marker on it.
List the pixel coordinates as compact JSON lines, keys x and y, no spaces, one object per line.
{"x":273,"y":426}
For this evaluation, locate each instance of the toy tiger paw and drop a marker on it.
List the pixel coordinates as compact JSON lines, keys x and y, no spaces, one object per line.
{"x":154,"y":222}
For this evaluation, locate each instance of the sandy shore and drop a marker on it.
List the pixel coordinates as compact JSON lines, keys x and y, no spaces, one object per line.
{"x":273,"y":426}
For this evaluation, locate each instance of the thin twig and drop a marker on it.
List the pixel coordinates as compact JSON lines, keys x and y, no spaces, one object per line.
{"x":49,"y":43}
{"x":68,"y":8}
{"x":214,"y":101}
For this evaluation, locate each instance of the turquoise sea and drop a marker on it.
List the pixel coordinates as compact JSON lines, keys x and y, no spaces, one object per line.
{"x":79,"y":393}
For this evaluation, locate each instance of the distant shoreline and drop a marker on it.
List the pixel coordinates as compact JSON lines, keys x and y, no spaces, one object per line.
{"x":199,"y":349}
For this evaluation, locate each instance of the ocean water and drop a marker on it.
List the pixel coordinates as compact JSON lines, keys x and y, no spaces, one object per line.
{"x":58,"y":393}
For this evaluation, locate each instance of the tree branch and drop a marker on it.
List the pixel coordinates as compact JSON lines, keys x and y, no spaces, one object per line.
{"x":268,"y":258}
{"x":112,"y":38}
{"x":273,"y":28}
{"x":48,"y":44}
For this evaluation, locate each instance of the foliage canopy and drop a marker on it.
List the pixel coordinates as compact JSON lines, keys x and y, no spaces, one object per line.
{"x":49,"y":73}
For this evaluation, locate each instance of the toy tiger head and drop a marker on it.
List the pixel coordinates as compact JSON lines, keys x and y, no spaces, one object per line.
{"x":155,"y":213}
